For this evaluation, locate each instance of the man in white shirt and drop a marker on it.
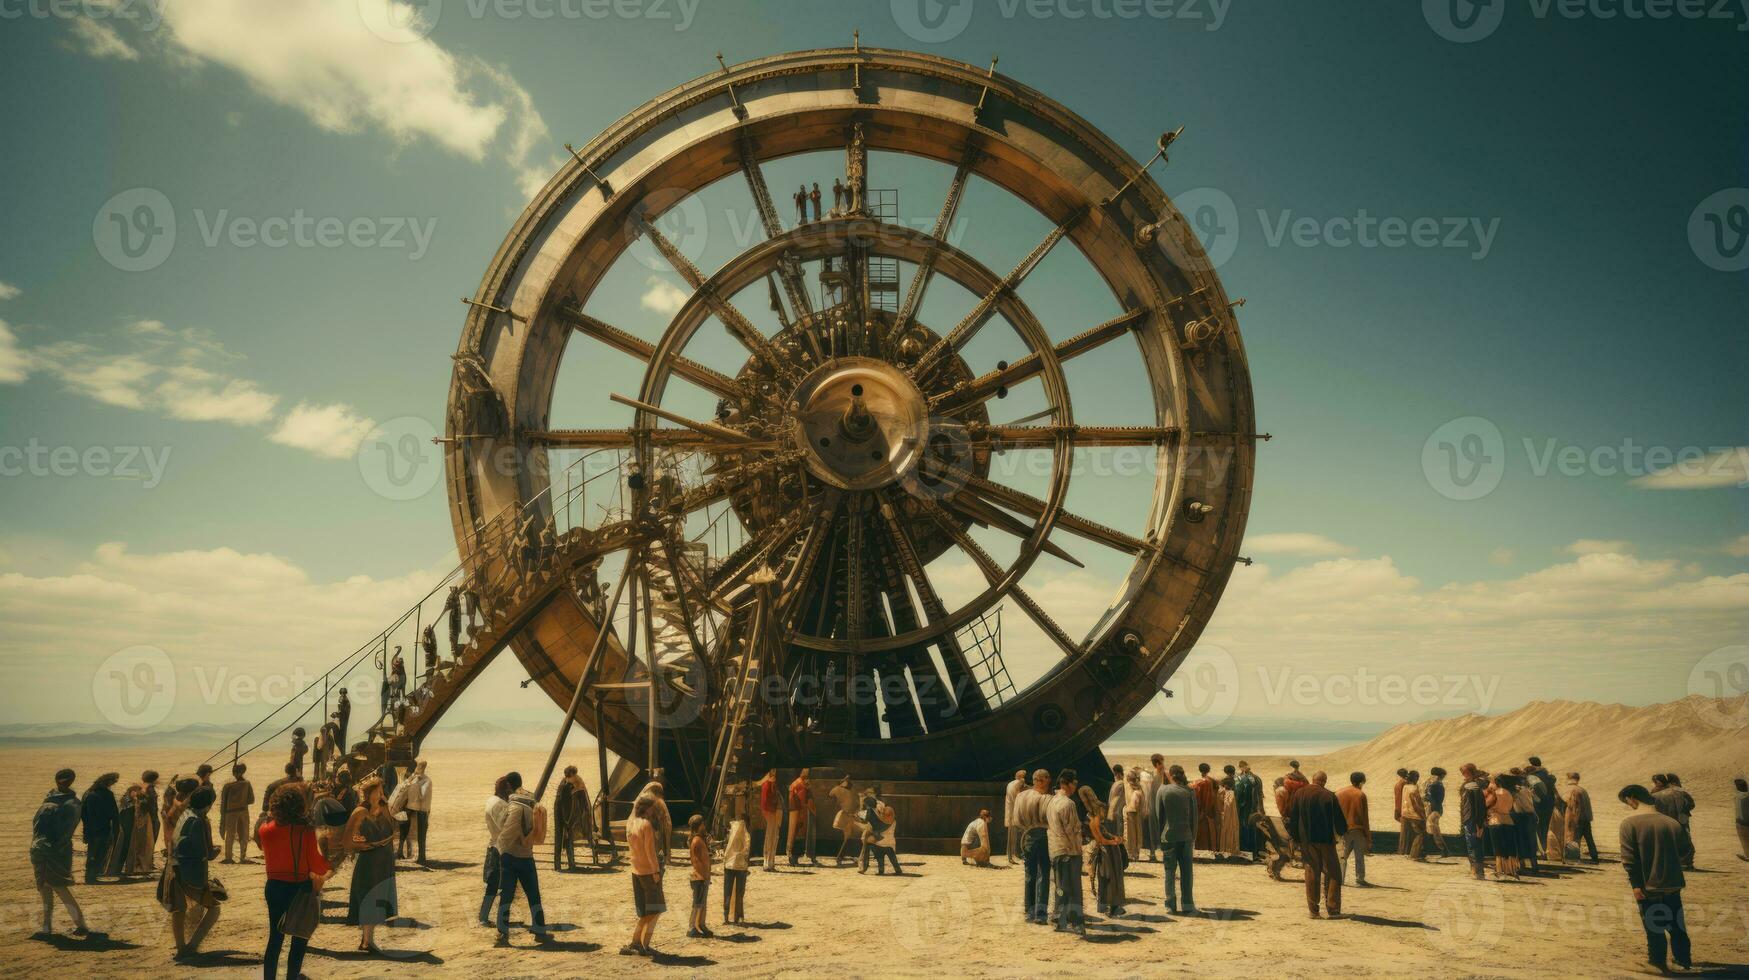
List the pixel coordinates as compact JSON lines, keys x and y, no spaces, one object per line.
{"x":1030,"y":805}
{"x":1063,"y":827}
{"x":975,"y":842}
{"x":497,"y":807}
{"x":415,"y":794}
{"x":1015,"y":785}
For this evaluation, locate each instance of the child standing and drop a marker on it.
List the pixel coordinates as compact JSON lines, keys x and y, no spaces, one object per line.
{"x":699,"y":846}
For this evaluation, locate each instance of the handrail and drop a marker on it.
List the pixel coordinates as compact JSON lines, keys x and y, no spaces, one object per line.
{"x":476,"y":538}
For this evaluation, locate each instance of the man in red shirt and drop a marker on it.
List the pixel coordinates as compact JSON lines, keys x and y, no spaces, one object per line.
{"x":801,"y":817}
{"x":771,"y":808}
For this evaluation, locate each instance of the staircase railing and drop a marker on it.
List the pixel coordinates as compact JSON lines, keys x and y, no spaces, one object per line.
{"x":498,"y":533}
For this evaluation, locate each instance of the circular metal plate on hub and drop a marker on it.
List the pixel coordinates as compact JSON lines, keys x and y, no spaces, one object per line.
{"x":861,"y":421}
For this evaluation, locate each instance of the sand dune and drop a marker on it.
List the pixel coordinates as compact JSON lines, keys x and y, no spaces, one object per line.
{"x":1704,"y":740}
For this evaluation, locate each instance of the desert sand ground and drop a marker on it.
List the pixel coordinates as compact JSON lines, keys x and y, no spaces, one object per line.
{"x":941,"y":919}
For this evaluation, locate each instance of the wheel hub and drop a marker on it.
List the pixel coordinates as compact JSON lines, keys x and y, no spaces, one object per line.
{"x":861,"y":421}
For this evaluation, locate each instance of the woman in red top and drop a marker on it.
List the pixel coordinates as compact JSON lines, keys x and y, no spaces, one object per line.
{"x":295,"y":866}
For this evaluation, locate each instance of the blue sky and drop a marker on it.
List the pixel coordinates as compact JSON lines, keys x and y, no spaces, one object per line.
{"x":1563,"y":160}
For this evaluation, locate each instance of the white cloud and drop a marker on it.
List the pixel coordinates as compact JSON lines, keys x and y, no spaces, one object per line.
{"x":348,"y":66}
{"x":14,"y":364}
{"x":9,"y":291}
{"x":183,"y":374}
{"x":326,"y":430}
{"x":99,"y":39}
{"x":219,"y":612}
{"x":1719,"y":468}
{"x":1502,"y":556}
{"x":1595,"y":546}
{"x":175,"y":373}
{"x":1295,"y":543}
{"x":662,"y":296}
{"x":1738,"y":548}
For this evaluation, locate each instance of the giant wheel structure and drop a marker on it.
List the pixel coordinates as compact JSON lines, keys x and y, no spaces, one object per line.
{"x":851,"y":443}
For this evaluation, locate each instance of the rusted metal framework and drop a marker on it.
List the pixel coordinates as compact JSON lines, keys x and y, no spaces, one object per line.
{"x":853,"y":443}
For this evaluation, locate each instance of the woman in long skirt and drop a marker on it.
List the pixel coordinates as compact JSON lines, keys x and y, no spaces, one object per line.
{"x":141,"y":849}
{"x":371,"y":833}
{"x":1228,"y":844}
{"x":122,"y":837}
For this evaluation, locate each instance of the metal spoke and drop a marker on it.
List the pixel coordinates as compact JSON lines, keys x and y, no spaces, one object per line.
{"x":704,"y":428}
{"x":738,"y":325}
{"x":789,"y":272}
{"x":993,"y":572}
{"x":710,"y":380}
{"x":657,"y":438}
{"x":989,"y":516}
{"x":963,"y":331}
{"x":926,"y":265}
{"x":1030,"y":506}
{"x":1001,"y":437}
{"x":970,"y":697}
{"x":853,"y":590}
{"x":982,"y":387}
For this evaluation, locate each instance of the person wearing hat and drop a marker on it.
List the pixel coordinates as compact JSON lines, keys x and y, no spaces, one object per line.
{"x":51,"y":854}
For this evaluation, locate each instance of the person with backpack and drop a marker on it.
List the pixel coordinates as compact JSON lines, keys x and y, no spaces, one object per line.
{"x":524,"y":825}
{"x":51,"y":854}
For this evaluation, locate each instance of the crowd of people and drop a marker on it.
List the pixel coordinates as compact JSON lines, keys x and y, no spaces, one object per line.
{"x":1069,"y":839}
